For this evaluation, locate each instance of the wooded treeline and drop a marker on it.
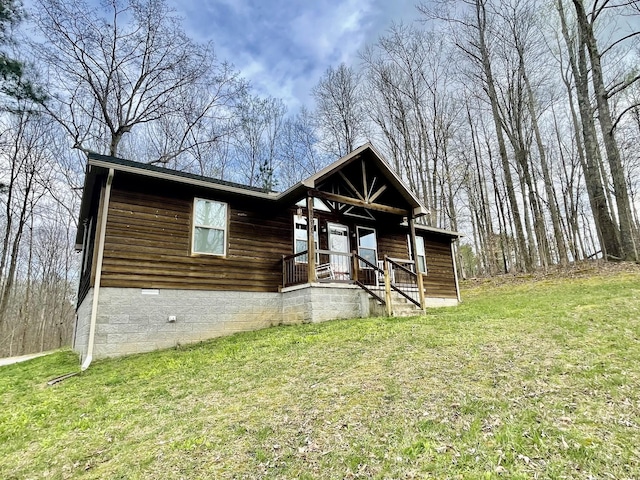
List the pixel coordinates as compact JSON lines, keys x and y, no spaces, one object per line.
{"x":515,"y":121}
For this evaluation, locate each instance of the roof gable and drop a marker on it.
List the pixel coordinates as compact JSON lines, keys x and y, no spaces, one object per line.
{"x":367,"y":181}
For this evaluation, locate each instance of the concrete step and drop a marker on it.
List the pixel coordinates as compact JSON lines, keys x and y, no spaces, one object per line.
{"x":401,"y":307}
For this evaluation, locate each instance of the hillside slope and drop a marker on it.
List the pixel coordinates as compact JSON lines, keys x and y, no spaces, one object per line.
{"x":530,"y":378}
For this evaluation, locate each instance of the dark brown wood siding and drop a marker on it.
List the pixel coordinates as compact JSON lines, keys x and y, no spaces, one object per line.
{"x":392,"y":244}
{"x":88,"y":249}
{"x":148,"y":238}
{"x":440,"y":280}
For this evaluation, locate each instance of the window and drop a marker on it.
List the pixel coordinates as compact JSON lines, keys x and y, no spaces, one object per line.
{"x":300,"y":236}
{"x":367,"y":245}
{"x":209,"y":227}
{"x":421,"y":257}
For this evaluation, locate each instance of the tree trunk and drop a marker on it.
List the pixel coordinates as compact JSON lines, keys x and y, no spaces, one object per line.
{"x":493,"y":98}
{"x":588,"y":39}
{"x":6,"y":292}
{"x":608,"y":231}
{"x":548,"y":183}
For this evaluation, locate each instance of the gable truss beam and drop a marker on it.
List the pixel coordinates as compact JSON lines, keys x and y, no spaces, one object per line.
{"x":379,"y":192}
{"x":334,"y":197}
{"x":350,"y":185}
{"x":364,"y":180}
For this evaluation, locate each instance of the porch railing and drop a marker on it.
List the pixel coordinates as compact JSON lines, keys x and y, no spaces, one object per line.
{"x":331,"y":266}
{"x":369,"y":277}
{"x":339,"y":267}
{"x":403,"y":279}
{"x":294,"y":269}
{"x":335,"y":265}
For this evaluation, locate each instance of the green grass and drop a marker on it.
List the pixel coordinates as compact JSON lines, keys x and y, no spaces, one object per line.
{"x":539,"y":379}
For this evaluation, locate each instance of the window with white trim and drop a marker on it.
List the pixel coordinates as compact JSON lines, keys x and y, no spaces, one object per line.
{"x":367,"y":245}
{"x":209,"y":227}
{"x":300,"y":237}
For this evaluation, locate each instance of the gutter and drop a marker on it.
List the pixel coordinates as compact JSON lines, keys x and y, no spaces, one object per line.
{"x":96,"y":286}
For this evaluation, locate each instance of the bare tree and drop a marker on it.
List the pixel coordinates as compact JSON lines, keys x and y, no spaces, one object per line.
{"x":299,"y":149}
{"x":27,"y":169}
{"x":339,"y":110}
{"x":123,"y":65}
{"x":257,"y":140}
{"x":586,"y":21}
{"x":474,"y":34}
{"x":607,"y":229}
{"x":414,"y":101}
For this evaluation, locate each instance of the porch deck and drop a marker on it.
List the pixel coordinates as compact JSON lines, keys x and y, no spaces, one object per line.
{"x":378,"y":280}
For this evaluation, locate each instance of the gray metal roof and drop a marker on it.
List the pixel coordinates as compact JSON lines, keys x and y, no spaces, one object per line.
{"x":168,"y":171}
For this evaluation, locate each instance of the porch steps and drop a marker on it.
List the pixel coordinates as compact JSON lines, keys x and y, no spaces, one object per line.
{"x":401,"y":307}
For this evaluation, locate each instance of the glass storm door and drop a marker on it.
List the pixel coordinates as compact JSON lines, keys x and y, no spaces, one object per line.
{"x":367,"y":245}
{"x":339,"y":242}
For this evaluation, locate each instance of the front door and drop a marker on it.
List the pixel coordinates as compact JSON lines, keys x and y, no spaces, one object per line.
{"x":339,"y":243}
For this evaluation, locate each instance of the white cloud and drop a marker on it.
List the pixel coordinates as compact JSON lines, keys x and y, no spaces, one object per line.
{"x":332,"y":34}
{"x":283,"y":46}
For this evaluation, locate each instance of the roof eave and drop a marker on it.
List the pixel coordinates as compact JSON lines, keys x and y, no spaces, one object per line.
{"x":181,"y":179}
{"x":85,"y":204}
{"x":441,"y":231}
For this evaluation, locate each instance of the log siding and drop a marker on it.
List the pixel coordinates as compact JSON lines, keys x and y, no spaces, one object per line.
{"x":148,"y":244}
{"x":440,"y":279}
{"x":149,"y":236}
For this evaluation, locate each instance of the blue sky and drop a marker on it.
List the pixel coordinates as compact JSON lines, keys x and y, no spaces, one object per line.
{"x":284,"y":46}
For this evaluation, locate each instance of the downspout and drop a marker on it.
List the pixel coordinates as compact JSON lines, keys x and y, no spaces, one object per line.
{"x":455,"y":271}
{"x":96,"y":286}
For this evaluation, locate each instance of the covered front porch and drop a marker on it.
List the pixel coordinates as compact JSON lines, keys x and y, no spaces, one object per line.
{"x":354,"y":224}
{"x":379,"y":280}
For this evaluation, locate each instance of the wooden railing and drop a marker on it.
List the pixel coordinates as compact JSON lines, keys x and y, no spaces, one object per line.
{"x":337,"y":264}
{"x":339,"y":267}
{"x":368,"y":277}
{"x":333,"y":267}
{"x":404,"y":280}
{"x":294,"y":269}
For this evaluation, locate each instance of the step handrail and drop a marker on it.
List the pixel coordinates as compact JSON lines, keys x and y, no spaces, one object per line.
{"x":370,"y":292}
{"x":377,"y":270}
{"x":394,"y":263}
{"x":405,"y":295}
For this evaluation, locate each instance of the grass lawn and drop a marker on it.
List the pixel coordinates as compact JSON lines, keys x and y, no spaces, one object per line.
{"x":533,"y":379}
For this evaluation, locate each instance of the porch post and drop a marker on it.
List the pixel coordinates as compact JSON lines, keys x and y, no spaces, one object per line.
{"x":414,"y":252}
{"x":387,"y":287}
{"x":311,"y":244}
{"x":354,"y":266}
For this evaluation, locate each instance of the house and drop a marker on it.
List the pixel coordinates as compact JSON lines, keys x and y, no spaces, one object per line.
{"x":170,"y":257}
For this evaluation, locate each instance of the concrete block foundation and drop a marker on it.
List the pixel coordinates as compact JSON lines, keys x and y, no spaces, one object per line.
{"x":133,"y":320}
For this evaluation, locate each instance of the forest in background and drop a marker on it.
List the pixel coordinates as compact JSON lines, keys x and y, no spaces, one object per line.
{"x":517,"y":122}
